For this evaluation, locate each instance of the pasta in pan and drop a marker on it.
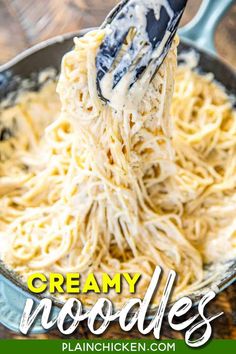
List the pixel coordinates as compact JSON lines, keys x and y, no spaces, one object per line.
{"x":103,"y":190}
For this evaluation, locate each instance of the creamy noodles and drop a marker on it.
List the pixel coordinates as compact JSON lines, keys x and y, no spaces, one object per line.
{"x":101,"y":190}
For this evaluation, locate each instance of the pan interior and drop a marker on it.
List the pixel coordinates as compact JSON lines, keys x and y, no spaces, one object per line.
{"x":11,"y":84}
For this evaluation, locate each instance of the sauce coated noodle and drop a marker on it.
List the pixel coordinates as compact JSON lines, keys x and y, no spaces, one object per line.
{"x":100,"y":190}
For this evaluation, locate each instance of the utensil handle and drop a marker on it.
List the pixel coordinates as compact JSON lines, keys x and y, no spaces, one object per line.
{"x":12,"y":302}
{"x":201,"y":29}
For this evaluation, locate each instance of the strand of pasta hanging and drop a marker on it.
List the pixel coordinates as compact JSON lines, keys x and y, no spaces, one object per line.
{"x":124,"y":191}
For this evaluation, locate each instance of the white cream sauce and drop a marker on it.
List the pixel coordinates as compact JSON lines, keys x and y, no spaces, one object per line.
{"x":122,"y":96}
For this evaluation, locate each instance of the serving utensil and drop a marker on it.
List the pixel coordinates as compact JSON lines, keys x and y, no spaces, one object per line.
{"x":148,"y":27}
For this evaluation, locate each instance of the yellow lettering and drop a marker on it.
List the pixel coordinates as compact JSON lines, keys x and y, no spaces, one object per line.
{"x":56,"y":281}
{"x":108,"y":282}
{"x":91,"y":284}
{"x":72,"y":283}
{"x":131,"y":281}
{"x":31,"y":280}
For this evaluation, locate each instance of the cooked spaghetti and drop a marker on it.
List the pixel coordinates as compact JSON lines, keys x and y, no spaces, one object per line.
{"x":101,"y":190}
